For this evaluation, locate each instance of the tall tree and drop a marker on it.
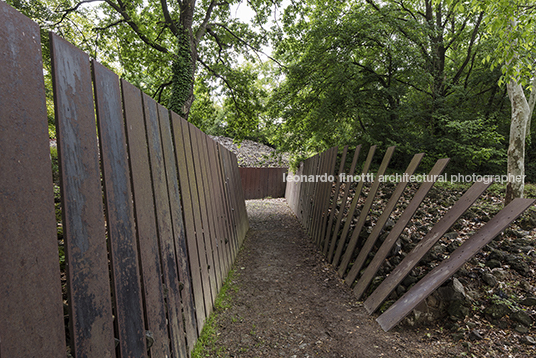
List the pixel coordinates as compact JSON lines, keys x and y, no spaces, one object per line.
{"x":511,"y":23}
{"x":160,"y":44}
{"x":408,"y":73}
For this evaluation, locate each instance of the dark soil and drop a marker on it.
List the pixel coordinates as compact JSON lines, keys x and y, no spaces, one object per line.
{"x":289,"y":302}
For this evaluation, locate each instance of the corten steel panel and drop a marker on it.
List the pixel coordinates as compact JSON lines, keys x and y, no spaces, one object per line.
{"x":409,"y":262}
{"x":215,"y":206}
{"x":200,"y":230}
{"x":319,"y":194}
{"x":338,"y":241}
{"x":181,"y":250}
{"x":400,"y":225}
{"x":244,"y":223}
{"x":333,"y":235}
{"x":447,"y":268}
{"x":380,"y":223}
{"x":225,"y":164}
{"x":259,"y":183}
{"x":30,"y":289}
{"x":120,"y":217}
{"x":222,"y":209}
{"x":352,"y":245}
{"x":209,"y":206}
{"x":327,"y":195}
{"x":189,"y":222}
{"x":201,"y":175}
{"x":218,"y":205}
{"x":166,"y":238}
{"x":144,"y":213}
{"x":335,"y":199}
{"x":90,"y":306}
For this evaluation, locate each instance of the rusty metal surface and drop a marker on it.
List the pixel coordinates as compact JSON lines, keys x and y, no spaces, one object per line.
{"x":407,"y":264}
{"x":400,"y":225}
{"x":333,"y":235}
{"x":120,"y":216}
{"x":145,"y":215}
{"x":189,"y":222}
{"x":215,"y":174}
{"x":339,"y":242}
{"x":259,"y":183}
{"x":447,"y":268}
{"x":183,"y":280}
{"x":30,"y":289}
{"x":382,"y":220}
{"x":324,"y":193}
{"x":83,"y":218}
{"x":333,"y":205}
{"x":352,"y":245}
{"x":225,"y":164}
{"x":164,"y":223}
{"x":201,"y":176}
{"x":200,"y":233}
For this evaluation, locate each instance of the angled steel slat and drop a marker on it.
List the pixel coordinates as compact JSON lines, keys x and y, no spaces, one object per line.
{"x":333,"y":236}
{"x":333,"y":205}
{"x":382,"y":220}
{"x":352,"y":245}
{"x":144,"y":212}
{"x":400,"y":225}
{"x":187,"y":187}
{"x":83,"y":216}
{"x":120,"y":219}
{"x":341,"y":241}
{"x":447,"y":268}
{"x":30,"y":289}
{"x":407,"y":264}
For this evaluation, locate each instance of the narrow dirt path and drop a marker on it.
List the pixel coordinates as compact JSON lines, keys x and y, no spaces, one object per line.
{"x":290,"y":303}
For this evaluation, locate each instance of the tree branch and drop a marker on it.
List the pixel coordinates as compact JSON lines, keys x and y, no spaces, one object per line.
{"x":72,"y":9}
{"x":257,"y":51}
{"x":171,"y":24}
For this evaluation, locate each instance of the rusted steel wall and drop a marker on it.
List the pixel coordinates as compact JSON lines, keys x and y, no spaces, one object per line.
{"x":315,"y":201}
{"x":259,"y":183}
{"x":153,"y":211}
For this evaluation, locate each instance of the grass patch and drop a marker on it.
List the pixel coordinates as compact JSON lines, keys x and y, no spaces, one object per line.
{"x":205,"y":347}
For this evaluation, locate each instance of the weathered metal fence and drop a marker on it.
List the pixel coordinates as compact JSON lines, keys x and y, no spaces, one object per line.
{"x":153,"y":211}
{"x":260,"y":183}
{"x":314,"y":201}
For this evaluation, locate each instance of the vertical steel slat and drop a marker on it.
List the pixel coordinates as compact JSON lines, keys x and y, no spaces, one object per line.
{"x":400,"y":225}
{"x":382,"y":220}
{"x":201,"y":174}
{"x":90,"y":304}
{"x":164,"y":224}
{"x":184,"y":167}
{"x":447,"y":268}
{"x":333,"y":205}
{"x":341,"y":241}
{"x":352,"y":245}
{"x":216,"y":208}
{"x":439,"y":229}
{"x":327,"y":241}
{"x":209,"y":209}
{"x":194,"y":180}
{"x":181,"y":250}
{"x":225,"y":162}
{"x":120,"y":216}
{"x":219,"y":209}
{"x":327,"y":195}
{"x":30,"y":289}
{"x":144,"y":212}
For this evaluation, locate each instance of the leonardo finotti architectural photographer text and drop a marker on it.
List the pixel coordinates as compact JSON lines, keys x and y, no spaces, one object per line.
{"x":397,"y":178}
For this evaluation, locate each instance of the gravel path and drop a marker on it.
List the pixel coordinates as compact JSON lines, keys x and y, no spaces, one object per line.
{"x":289,"y":302}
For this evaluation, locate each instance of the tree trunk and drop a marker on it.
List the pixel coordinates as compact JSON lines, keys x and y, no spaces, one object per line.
{"x":516,"y":149}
